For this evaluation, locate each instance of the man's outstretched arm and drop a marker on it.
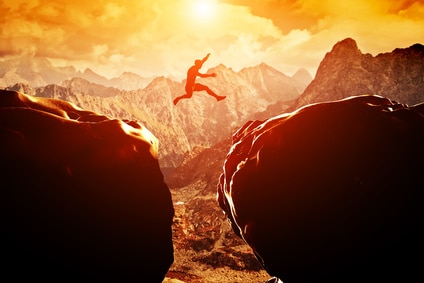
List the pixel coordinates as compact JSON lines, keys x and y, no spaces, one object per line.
{"x":206,"y":75}
{"x":206,"y":58}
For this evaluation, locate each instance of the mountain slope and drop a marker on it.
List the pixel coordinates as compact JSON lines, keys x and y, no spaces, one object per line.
{"x":272,"y":83}
{"x":397,"y":75}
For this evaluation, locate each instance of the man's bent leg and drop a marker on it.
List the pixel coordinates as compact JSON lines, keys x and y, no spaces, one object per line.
{"x":200,"y":87}
{"x":181,"y":97}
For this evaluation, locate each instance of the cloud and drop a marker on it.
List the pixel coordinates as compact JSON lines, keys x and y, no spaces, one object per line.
{"x":161,"y":37}
{"x":377,"y":26}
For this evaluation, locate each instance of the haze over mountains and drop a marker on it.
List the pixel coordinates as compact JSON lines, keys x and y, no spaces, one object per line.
{"x":257,"y":92}
{"x":38,"y":71}
{"x":199,"y":121}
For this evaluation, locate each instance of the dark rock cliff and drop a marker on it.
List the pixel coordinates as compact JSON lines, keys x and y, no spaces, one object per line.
{"x":332,"y":192}
{"x":82,"y":196}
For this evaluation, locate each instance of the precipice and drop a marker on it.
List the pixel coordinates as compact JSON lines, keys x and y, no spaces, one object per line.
{"x":332,"y":192}
{"x":83,"y":197}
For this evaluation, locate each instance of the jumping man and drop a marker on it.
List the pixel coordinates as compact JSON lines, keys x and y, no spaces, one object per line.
{"x":191,"y":85}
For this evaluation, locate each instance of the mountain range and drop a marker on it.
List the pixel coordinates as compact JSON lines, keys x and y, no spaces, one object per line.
{"x":257,"y":92}
{"x":401,"y":78}
{"x":198,"y":122}
{"x":397,"y":75}
{"x":39,"y":71}
{"x":253,"y":93}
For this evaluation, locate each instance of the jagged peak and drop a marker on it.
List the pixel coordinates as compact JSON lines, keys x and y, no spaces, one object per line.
{"x":74,"y":80}
{"x":94,"y":77}
{"x":415,"y":48}
{"x":159,"y":80}
{"x":346,"y":45}
{"x":129,"y":74}
{"x":302,"y":74}
{"x":219,"y":67}
{"x":301,"y":71}
{"x":89,"y":71}
{"x":262,"y":67}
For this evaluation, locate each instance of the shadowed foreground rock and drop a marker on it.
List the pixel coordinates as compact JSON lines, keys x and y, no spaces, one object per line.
{"x":332,"y":192}
{"x":83,"y":197}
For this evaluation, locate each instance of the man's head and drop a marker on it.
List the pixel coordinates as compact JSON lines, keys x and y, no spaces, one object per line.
{"x":198,"y":63}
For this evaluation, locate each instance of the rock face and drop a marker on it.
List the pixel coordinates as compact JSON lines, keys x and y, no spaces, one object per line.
{"x":332,"y":192}
{"x":83,"y":197}
{"x":345,"y":70}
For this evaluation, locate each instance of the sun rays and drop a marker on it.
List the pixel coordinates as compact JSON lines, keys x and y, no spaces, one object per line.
{"x":204,"y":9}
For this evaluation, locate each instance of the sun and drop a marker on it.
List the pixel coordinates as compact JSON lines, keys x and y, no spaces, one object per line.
{"x":204,"y":9}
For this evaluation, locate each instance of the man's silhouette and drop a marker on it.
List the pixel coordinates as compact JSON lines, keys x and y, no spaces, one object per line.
{"x":191,"y":85}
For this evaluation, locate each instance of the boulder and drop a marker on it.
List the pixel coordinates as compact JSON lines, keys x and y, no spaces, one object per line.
{"x":83,"y":196}
{"x":332,"y":192}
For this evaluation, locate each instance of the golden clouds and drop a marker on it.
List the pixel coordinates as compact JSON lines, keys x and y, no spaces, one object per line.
{"x":374,"y":24}
{"x":204,"y":10}
{"x":160,"y":37}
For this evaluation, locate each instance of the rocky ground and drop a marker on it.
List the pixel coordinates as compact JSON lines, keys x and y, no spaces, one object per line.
{"x":205,"y":247}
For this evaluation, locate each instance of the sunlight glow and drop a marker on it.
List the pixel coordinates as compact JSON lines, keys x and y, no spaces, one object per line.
{"x":204,"y":9}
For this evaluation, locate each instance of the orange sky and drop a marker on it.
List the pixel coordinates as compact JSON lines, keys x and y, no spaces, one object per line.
{"x":163,"y":37}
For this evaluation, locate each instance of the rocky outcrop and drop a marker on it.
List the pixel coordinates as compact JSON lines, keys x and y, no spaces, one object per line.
{"x":83,"y":197}
{"x":332,"y":192}
{"x":345,"y":70}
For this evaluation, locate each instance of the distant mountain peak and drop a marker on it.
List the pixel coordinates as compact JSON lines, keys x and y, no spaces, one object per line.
{"x":129,"y":74}
{"x":261,"y":66}
{"x":89,"y":71}
{"x":347,"y":45}
{"x":345,"y":71}
{"x":301,"y":71}
{"x":160,"y":80}
{"x":303,"y":75}
{"x":264,"y":66}
{"x":416,"y":48}
{"x":220,"y":67}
